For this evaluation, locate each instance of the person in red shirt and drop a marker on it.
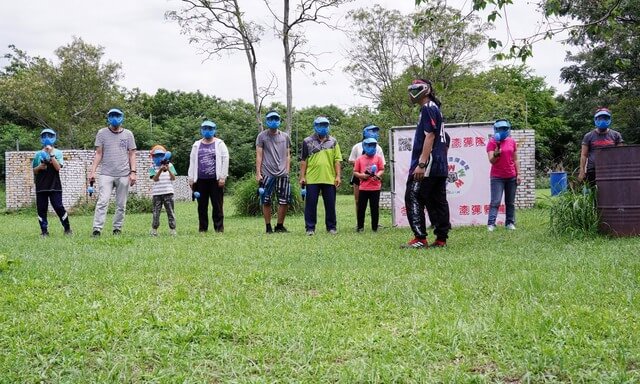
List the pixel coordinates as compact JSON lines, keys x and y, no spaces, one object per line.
{"x":505,"y":173}
{"x":369,"y":169}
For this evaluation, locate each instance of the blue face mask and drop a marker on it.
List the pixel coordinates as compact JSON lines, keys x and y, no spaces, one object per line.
{"x":273,"y":123}
{"x":369,"y":149}
{"x":207,"y":133}
{"x":47,"y":140}
{"x":115,"y":120}
{"x":602,"y":124}
{"x":321,"y":129}
{"x":501,"y":135}
{"x":157,"y":159}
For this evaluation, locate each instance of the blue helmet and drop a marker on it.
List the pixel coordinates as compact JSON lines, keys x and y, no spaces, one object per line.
{"x":48,"y":136}
{"x":115,"y":117}
{"x":208,"y":129}
{"x":371,"y":131}
{"x":273,"y":120}
{"x":369,"y":146}
{"x":501,"y":129}
{"x":321,"y":126}
{"x":602,"y":119}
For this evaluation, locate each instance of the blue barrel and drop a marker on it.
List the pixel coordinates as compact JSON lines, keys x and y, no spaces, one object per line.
{"x":558,"y":182}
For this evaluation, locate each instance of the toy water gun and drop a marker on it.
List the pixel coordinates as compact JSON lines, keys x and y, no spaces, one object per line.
{"x":303,"y":191}
{"x":45,"y":157}
{"x":372,"y":173}
{"x":90,"y":189}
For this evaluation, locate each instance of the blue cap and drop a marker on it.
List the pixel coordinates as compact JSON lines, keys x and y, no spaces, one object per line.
{"x":371,"y":127}
{"x":272,"y":114}
{"x":321,"y":120}
{"x":208,"y":124}
{"x":115,"y":111}
{"x":502,"y":124}
{"x":48,"y":130}
{"x":370,"y":140}
{"x":602,"y":112}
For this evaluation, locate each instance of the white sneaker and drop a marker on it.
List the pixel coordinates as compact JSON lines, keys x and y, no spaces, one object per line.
{"x":511,"y":227}
{"x":173,"y":232}
{"x":154,"y":232}
{"x":491,"y":228}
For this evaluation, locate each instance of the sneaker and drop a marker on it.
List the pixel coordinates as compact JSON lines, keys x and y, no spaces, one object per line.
{"x":416,"y":243}
{"x":311,"y":232}
{"x":269,"y":229}
{"x":95,"y":233}
{"x":280,"y":229}
{"x":439,"y":243}
{"x":333,"y":231}
{"x":68,"y":232}
{"x":154,"y":232}
{"x":511,"y":227}
{"x":117,"y":232}
{"x":491,"y":227}
{"x":173,"y":232}
{"x":44,"y":234}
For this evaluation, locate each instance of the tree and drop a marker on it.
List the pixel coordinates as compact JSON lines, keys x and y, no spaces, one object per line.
{"x":220,"y":25}
{"x":70,"y":97}
{"x":290,"y":30}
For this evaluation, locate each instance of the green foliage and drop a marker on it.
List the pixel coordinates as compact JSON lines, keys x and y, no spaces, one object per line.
{"x":247,"y":202}
{"x":135,"y":204}
{"x":11,"y":136}
{"x":574,"y":213}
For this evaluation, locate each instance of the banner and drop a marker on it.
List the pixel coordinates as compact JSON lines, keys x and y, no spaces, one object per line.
{"x":468,"y":185}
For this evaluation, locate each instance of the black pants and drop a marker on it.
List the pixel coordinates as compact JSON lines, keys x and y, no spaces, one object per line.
{"x":373,"y":198}
{"x":42,"y":204}
{"x":431,"y":194}
{"x":209,"y":190}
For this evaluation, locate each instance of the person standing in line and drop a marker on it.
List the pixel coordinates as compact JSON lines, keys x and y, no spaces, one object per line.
{"x":273,"y":162}
{"x":116,"y":155}
{"x":601,"y":137}
{"x":428,"y":171}
{"x":46,"y":166}
{"x":320,"y":172}
{"x":369,"y":169}
{"x":208,"y":170}
{"x":369,"y":131}
{"x":163,"y":173}
{"x":505,"y":174}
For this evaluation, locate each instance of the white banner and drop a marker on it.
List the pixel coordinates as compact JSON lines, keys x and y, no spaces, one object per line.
{"x":468,"y":186}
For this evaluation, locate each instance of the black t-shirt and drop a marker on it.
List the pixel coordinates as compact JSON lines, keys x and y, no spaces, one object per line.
{"x":49,"y":179}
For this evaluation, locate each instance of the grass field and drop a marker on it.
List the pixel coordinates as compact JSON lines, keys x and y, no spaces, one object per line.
{"x":243,"y":306}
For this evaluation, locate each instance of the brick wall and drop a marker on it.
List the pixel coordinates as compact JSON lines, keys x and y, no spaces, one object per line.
{"x":526,"y":192}
{"x":20,"y":188}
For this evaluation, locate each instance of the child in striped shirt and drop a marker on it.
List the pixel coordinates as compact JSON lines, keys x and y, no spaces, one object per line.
{"x":163,"y":174}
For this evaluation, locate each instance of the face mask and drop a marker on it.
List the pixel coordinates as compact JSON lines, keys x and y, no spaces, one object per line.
{"x":115,"y":120}
{"x":370,"y":150}
{"x":501,"y":135}
{"x":273,"y":123}
{"x":207,"y":133}
{"x":157,"y":159}
{"x":47,"y":140}
{"x":603,"y":124}
{"x":322,"y":129}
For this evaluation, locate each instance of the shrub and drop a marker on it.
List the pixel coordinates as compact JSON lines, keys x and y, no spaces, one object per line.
{"x":135,"y":204}
{"x":574,"y":212}
{"x":247,"y":203}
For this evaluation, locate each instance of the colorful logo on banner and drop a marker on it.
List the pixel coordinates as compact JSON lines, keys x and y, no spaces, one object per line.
{"x":460,"y":176}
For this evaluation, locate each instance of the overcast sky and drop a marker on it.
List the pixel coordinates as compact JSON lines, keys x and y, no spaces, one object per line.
{"x":155,"y":55}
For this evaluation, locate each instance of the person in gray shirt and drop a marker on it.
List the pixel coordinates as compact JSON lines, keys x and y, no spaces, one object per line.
{"x":116,"y":155}
{"x":273,"y":160}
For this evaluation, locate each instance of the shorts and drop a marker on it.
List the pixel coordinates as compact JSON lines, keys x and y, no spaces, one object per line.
{"x":280,"y":185}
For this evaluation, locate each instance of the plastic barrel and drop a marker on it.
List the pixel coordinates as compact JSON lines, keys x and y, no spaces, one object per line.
{"x":558,"y":182}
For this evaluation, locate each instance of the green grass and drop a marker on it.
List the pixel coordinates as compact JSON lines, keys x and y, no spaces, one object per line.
{"x":243,"y":306}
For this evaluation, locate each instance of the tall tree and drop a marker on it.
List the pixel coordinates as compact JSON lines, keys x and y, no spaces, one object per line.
{"x":71,"y":96}
{"x":289,"y":28}
{"x":218,"y":26}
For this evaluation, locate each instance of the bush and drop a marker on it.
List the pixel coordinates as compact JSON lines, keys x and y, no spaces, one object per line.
{"x":574,"y":212}
{"x":247,"y":203}
{"x":135,"y":204}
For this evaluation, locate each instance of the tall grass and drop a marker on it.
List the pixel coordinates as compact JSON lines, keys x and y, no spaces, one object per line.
{"x":574,"y":213}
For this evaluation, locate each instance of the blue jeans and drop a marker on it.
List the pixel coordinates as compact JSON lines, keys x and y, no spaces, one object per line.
{"x":311,"y":206}
{"x":498,"y":186}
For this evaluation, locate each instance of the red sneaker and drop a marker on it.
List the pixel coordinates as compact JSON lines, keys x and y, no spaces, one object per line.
{"x":416,"y":244}
{"x":439,"y":243}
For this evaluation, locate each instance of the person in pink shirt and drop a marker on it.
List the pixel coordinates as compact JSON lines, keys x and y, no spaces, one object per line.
{"x":505,"y":173}
{"x":369,"y":169}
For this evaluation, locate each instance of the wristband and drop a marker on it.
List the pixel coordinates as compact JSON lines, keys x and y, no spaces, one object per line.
{"x":132,"y":171}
